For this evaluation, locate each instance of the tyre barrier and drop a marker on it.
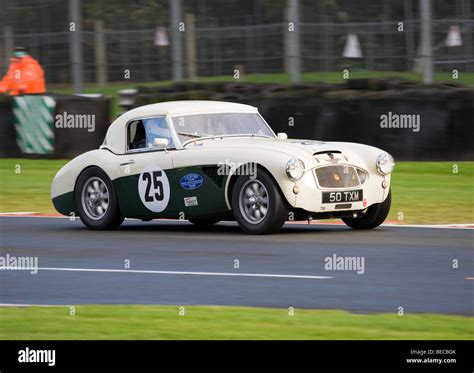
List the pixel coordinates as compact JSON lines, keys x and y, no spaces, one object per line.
{"x":8,"y":144}
{"x":411,"y":120}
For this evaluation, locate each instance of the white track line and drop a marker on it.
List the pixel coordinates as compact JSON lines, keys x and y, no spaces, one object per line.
{"x":271,"y":275}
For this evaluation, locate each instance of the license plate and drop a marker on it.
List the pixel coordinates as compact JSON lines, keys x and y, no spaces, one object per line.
{"x":343,"y":196}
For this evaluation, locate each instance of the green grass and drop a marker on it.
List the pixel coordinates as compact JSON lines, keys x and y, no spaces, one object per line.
{"x":424,"y":192}
{"x":29,"y":189}
{"x":430,"y":192}
{"x":327,"y":77}
{"x":213,"y":322}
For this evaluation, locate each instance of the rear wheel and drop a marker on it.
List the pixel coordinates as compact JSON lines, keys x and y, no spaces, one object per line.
{"x":258,"y":205}
{"x":373,"y":217}
{"x":96,"y":201}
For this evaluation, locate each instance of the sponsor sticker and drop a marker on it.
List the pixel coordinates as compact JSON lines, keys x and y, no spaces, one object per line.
{"x":191,"y":181}
{"x":190,"y":201}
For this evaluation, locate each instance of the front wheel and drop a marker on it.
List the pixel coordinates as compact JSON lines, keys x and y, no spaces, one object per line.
{"x":373,"y":217}
{"x":96,"y":201}
{"x":258,"y":205}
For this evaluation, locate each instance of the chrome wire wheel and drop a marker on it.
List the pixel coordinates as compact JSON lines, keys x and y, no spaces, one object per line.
{"x":253,"y":201}
{"x":95,"y":198}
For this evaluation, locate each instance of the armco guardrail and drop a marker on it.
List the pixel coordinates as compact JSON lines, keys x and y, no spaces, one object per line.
{"x":410,"y":120}
{"x":51,"y":125}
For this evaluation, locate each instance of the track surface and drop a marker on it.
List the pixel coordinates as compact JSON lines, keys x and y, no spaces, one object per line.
{"x":404,"y":267}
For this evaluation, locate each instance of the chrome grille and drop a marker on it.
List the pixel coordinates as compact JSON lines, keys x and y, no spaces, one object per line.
{"x":338,"y":176}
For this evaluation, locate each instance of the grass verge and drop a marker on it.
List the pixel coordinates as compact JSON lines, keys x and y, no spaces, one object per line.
{"x":326,"y":77}
{"x":423,"y":192}
{"x":25,"y":184}
{"x":433,"y":192}
{"x":213,"y":322}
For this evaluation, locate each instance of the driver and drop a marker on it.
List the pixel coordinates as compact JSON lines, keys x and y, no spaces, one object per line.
{"x":157,"y":128}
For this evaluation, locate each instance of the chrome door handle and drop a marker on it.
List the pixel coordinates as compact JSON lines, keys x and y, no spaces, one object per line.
{"x":130,"y":161}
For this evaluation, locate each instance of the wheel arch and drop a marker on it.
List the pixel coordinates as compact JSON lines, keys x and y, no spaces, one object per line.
{"x":234,"y":176}
{"x":64,"y":183}
{"x":84,"y":170}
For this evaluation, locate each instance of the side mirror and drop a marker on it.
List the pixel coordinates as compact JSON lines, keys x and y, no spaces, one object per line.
{"x":282,"y":135}
{"x":160,"y":142}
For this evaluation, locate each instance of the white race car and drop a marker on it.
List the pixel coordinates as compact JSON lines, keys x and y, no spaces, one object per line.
{"x":207,"y":161}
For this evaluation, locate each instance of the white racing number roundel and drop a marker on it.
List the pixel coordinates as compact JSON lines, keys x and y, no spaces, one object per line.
{"x":154,"y":188}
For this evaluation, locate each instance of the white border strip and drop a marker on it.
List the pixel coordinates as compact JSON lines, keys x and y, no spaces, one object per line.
{"x":443,"y":226}
{"x":230,"y":274}
{"x":17,"y":213}
{"x":35,"y":305}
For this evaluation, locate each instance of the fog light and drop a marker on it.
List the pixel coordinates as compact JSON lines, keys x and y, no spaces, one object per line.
{"x":384,"y":184}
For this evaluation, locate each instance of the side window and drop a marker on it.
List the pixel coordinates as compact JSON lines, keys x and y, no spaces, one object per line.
{"x":136,"y":135}
{"x":142,"y":133}
{"x":157,"y":128}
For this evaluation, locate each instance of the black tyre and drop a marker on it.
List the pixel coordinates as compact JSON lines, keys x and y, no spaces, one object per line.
{"x":374,"y":216}
{"x":258,"y":205}
{"x":96,"y":201}
{"x":204,"y":221}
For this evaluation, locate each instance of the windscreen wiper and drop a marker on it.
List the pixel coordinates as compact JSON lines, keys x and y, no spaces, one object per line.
{"x":190,"y":134}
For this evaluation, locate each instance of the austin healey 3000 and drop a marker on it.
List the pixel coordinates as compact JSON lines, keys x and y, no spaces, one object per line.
{"x":207,"y":161}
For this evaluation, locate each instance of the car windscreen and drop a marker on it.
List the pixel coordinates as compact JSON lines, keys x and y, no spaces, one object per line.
{"x":202,"y":125}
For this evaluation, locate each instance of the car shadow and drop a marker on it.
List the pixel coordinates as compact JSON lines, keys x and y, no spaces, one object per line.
{"x":228,"y":228}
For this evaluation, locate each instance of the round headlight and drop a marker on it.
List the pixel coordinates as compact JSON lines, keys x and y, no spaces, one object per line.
{"x":294,"y":169}
{"x":384,"y":164}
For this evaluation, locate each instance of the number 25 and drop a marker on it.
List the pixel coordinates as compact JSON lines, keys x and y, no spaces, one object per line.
{"x":157,"y":186}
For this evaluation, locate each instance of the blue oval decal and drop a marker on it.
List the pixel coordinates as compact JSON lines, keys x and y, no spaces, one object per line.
{"x":191,"y":181}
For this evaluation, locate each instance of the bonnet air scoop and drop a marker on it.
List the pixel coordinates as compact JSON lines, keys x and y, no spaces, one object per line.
{"x":327,"y":152}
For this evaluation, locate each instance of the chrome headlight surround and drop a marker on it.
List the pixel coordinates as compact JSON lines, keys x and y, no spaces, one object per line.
{"x":295,"y":169}
{"x":384,"y":164}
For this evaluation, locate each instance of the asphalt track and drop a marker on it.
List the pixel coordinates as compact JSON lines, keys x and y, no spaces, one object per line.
{"x":174,"y":262}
